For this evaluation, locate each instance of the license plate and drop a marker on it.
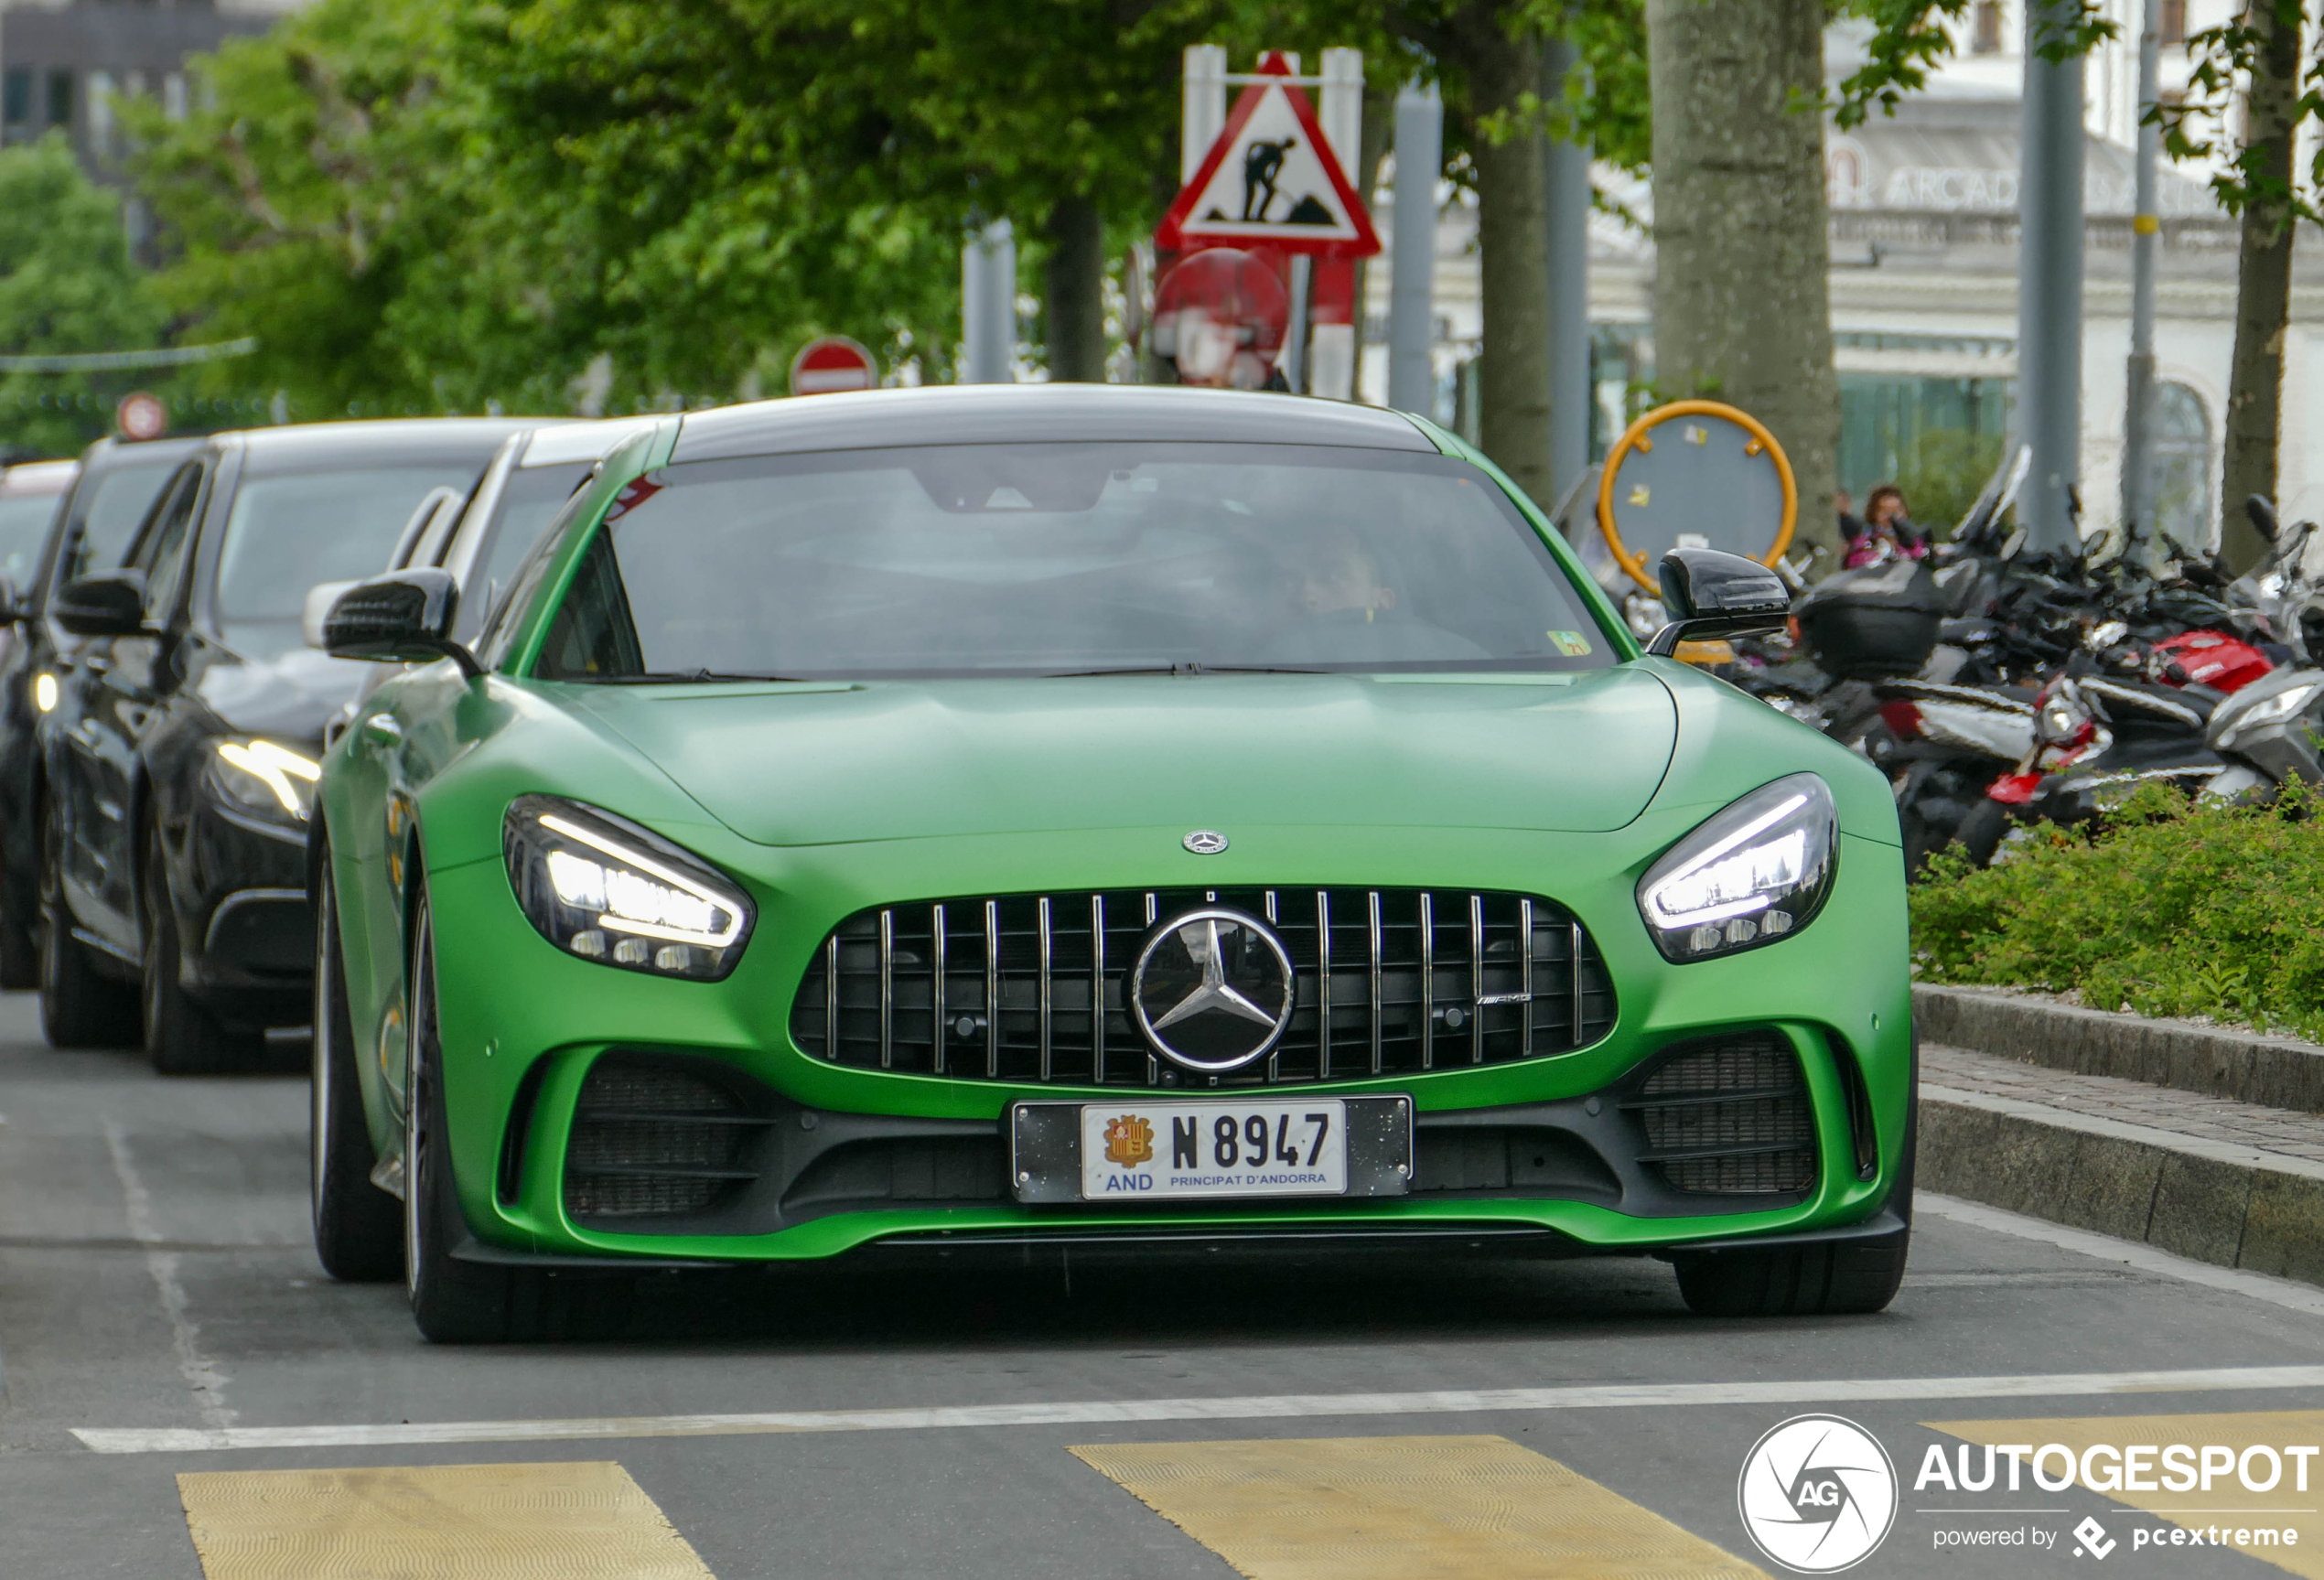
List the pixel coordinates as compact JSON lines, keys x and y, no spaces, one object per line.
{"x":1176,"y":1151}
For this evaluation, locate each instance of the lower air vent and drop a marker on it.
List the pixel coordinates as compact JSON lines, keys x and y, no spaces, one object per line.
{"x":1729,"y":1116}
{"x":657,"y":1138}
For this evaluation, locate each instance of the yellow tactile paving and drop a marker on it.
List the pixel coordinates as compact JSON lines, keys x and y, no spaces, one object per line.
{"x":2228,"y":1506}
{"x":433,"y":1523}
{"x":1405,"y":1509}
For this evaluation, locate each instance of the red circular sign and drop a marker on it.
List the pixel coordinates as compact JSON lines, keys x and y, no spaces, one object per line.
{"x":142,"y":417}
{"x":1220,"y":316}
{"x":830,"y":363}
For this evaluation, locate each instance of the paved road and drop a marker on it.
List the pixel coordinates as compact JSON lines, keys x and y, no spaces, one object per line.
{"x":155,"y":1278}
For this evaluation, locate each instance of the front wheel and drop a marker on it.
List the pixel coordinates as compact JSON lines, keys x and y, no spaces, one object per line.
{"x":1796,"y":1281}
{"x":80,"y":1005}
{"x":357,"y":1226}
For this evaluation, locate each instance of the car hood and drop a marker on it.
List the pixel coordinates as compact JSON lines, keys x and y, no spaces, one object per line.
{"x":812,"y":765}
{"x":289,"y":694}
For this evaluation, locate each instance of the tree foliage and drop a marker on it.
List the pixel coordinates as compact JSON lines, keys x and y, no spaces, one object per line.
{"x":66,"y":285}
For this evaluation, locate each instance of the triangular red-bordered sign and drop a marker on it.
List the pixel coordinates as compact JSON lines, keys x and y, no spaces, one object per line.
{"x":1334,"y":224}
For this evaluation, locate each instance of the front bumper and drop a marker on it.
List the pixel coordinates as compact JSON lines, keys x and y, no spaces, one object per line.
{"x":523,"y":1024}
{"x":241,"y":888}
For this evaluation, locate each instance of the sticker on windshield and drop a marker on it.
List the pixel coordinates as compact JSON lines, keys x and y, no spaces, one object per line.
{"x":1573,"y":644}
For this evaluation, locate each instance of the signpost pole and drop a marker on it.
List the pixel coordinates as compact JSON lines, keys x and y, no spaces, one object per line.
{"x":988,"y":305}
{"x":1412,"y":327}
{"x":1568,"y":206}
{"x":2049,"y":221}
{"x":1204,"y":102}
{"x":2138,"y":468}
{"x":1294,"y":340}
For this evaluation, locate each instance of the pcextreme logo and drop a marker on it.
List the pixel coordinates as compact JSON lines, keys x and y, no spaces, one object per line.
{"x":1818,"y":1494}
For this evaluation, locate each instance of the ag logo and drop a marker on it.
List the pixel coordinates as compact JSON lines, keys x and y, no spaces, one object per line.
{"x":1817,"y":1494}
{"x":1129,"y":1141}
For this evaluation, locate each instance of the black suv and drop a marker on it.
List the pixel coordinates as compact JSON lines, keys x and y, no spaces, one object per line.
{"x":117,"y":484}
{"x":180,"y":759}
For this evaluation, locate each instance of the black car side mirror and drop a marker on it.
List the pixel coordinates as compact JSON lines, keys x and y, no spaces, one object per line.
{"x":11,"y":607}
{"x":110,"y":604}
{"x":1712,"y":594}
{"x":404,"y":617}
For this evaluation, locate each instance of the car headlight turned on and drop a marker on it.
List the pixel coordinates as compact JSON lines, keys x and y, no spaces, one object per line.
{"x":599,"y":887}
{"x":265,"y":777}
{"x":1753,"y":874}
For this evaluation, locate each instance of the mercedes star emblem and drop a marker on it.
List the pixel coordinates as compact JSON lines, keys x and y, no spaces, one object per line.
{"x":1213,"y":989}
{"x":1205,"y":842}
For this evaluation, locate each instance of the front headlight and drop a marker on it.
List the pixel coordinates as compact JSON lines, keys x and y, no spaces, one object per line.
{"x":1753,"y":874}
{"x":264,"y":778}
{"x":599,"y":887}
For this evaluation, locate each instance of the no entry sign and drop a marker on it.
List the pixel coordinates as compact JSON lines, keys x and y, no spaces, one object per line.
{"x":141,"y":416}
{"x":831,"y":364}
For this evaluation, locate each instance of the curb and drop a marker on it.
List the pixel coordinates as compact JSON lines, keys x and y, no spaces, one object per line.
{"x":2206,"y":1200}
{"x":2272,"y":1071}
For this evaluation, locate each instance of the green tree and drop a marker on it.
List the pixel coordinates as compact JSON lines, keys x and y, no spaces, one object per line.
{"x":66,"y":285}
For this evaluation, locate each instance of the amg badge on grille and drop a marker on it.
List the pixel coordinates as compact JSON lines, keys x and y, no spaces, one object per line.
{"x":1205,"y":842}
{"x":1213,"y":989}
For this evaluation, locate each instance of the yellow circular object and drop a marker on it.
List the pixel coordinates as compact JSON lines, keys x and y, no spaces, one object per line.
{"x":1638,"y":440}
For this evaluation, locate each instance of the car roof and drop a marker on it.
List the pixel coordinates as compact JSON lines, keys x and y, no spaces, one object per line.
{"x":1000,"y":413}
{"x":109,"y":453}
{"x":34,"y":478}
{"x":568,"y":443}
{"x":303,"y":447}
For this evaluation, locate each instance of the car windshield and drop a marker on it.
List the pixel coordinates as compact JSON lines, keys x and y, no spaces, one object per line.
{"x":286,"y":533}
{"x":529,"y":503}
{"x":1065,"y":559}
{"x":24,"y":527}
{"x":112,"y":506}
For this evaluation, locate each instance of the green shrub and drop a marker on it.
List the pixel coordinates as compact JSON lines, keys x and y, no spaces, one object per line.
{"x":2176,"y":909}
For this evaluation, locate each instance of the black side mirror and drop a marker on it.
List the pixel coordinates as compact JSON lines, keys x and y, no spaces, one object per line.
{"x":2260,"y":510}
{"x":404,"y":617}
{"x":1712,"y":594}
{"x":110,"y":604}
{"x":11,"y":607}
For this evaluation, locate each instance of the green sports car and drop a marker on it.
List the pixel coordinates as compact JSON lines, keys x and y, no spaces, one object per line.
{"x":1118,"y":821}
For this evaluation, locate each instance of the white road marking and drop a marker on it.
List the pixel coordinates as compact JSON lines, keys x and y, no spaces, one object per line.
{"x":202,"y":1373}
{"x":2283,"y":1291}
{"x":1260,"y":1407}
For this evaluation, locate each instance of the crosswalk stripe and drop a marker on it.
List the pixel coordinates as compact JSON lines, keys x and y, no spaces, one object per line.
{"x":1245,"y":1407}
{"x":433,"y":1522}
{"x":1403,"y":1508}
{"x":2229,"y":1507}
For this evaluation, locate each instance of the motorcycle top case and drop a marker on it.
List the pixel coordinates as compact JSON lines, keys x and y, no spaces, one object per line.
{"x":1874,"y":622}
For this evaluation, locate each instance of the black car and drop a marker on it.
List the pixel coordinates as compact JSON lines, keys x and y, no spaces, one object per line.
{"x":181,"y":758}
{"x":117,"y":484}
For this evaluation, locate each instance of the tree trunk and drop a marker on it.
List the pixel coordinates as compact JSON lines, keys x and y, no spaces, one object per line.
{"x":1742,"y":298}
{"x":1073,"y":303}
{"x":1512,"y":245}
{"x":2263,"y":282}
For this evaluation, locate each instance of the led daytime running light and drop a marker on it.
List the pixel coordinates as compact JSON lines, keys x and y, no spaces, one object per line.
{"x":614,"y":921}
{"x":275,"y":767}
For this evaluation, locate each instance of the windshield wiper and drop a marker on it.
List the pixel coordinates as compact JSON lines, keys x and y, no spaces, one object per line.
{"x":1188,"y":670}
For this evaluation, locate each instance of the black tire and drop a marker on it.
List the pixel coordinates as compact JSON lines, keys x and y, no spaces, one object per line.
{"x":80,"y":1005}
{"x":1843,"y":1279}
{"x":358,"y":1228}
{"x":454,"y":1302}
{"x":19,"y":932}
{"x":182,"y":1038}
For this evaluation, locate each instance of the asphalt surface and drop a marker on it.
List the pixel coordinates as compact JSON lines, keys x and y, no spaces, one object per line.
{"x":154,"y":1273}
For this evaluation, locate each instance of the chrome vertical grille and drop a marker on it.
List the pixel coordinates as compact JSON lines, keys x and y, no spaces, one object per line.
{"x":1029,"y":988}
